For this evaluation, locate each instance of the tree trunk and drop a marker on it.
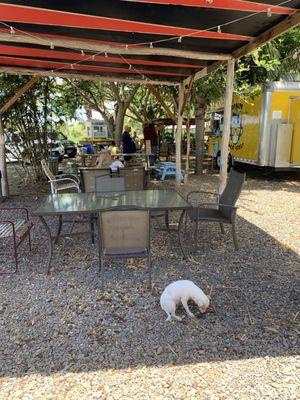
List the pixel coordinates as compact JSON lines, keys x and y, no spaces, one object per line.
{"x":119,"y":122}
{"x":3,"y":170}
{"x":188,"y":149}
{"x":200,"y":129}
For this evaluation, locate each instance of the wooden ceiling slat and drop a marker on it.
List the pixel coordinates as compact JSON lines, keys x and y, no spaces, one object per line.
{"x":63,"y":55}
{"x":53,"y":65}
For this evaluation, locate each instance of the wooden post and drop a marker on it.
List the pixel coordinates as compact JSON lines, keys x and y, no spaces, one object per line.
{"x":3,"y":170}
{"x":226,"y":125}
{"x":178,"y":134}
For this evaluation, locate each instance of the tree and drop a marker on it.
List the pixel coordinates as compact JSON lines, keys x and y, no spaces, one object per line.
{"x":110,"y":99}
{"x":205,"y":91}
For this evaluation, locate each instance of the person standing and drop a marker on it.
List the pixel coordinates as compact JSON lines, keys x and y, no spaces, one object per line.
{"x":128,"y":143}
{"x":151,"y":134}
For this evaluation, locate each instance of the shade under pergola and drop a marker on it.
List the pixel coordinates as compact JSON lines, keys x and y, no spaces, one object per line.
{"x":171,"y":42}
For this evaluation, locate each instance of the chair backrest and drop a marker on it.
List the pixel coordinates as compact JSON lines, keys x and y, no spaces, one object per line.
{"x":108,"y":183}
{"x":47,"y":170}
{"x":88,"y":177}
{"x":134,"y":177}
{"x":125,"y":230}
{"x":232,"y":191}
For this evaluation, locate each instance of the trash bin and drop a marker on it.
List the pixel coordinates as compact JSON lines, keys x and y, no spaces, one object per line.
{"x":89,"y":148}
{"x":53,"y":165}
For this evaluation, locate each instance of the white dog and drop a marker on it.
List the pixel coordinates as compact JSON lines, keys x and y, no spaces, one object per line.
{"x":182,"y":291}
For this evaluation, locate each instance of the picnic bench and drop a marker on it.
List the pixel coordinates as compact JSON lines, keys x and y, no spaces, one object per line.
{"x":167,"y":168}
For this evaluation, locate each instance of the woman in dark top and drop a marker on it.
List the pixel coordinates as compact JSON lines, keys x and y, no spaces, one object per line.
{"x":128,"y":143}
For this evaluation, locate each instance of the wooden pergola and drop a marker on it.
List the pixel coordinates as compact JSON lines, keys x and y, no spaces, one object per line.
{"x":156,"y":42}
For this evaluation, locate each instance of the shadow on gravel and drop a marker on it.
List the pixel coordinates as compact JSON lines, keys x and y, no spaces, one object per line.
{"x":64,"y":323}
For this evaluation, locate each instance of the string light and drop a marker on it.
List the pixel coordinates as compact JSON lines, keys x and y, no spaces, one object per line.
{"x":130,"y":66}
{"x":93,"y":57}
{"x":51,"y":45}
{"x":82,"y":53}
{"x":219,"y":29}
{"x":126,"y":46}
{"x":269,"y":13}
{"x":72,"y":66}
{"x":151,"y":45}
{"x":180,"y":39}
{"x":105,"y":54}
{"x":12,"y":31}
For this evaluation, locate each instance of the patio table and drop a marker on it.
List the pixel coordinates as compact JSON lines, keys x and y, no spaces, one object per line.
{"x":92,"y":203}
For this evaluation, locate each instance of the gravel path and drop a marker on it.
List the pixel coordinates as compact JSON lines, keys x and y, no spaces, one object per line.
{"x":62,"y":338}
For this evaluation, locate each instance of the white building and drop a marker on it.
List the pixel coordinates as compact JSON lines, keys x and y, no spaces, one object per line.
{"x":97,"y":129}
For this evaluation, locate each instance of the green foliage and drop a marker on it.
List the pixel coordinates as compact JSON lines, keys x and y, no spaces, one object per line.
{"x":74,"y":132}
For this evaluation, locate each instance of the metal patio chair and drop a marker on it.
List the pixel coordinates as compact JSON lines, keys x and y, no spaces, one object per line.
{"x":124,"y":232}
{"x":109,"y":183}
{"x":15,"y":229}
{"x":134,"y":177}
{"x":61,"y":182}
{"x":223,"y":211}
{"x":88,"y":177}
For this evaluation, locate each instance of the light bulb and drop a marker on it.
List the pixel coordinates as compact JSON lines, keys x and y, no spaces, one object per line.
{"x":180,"y":39}
{"x":12,"y":31}
{"x":269,"y":13}
{"x":219,"y":29}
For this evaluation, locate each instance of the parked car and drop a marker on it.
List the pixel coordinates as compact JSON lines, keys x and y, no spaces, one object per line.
{"x":59,"y":139}
{"x":17,"y":151}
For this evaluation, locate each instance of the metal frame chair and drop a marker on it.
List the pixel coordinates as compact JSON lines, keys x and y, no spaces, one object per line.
{"x":223,"y":211}
{"x":109,"y":183}
{"x":124,"y":232}
{"x":88,"y":174}
{"x":16,"y":229}
{"x":62,"y":183}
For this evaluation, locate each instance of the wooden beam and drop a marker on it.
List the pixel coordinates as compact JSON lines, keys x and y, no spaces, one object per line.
{"x":179,"y":136}
{"x":161,"y":101}
{"x":100,"y":47}
{"x":3,"y":169}
{"x":19,"y":93}
{"x":208,"y":70}
{"x":288,"y":23}
{"x":187,"y":92}
{"x":60,"y":74}
{"x":226,"y":126}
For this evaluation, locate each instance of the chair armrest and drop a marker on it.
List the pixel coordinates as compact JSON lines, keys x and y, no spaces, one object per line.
{"x":203,"y":192}
{"x":71,"y":176}
{"x":15,"y":209}
{"x":207,"y":205}
{"x":66,"y":179}
{"x":227,"y":205}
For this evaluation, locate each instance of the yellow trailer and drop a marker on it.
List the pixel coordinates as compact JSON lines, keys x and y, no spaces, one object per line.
{"x":265,"y":130}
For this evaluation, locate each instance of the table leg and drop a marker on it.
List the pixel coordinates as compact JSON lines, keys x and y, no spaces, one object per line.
{"x":180,"y":234}
{"x":60,"y":222}
{"x":50,"y":243}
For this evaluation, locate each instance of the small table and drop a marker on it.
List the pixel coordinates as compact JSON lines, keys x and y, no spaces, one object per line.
{"x":92,"y":203}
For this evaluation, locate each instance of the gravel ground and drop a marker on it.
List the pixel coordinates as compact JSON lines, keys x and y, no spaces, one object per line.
{"x":62,"y":338}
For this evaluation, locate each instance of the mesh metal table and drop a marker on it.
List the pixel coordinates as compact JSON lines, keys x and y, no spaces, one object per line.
{"x":91,"y":203}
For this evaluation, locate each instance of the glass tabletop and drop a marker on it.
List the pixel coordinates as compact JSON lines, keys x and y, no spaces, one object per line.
{"x":72,"y":203}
